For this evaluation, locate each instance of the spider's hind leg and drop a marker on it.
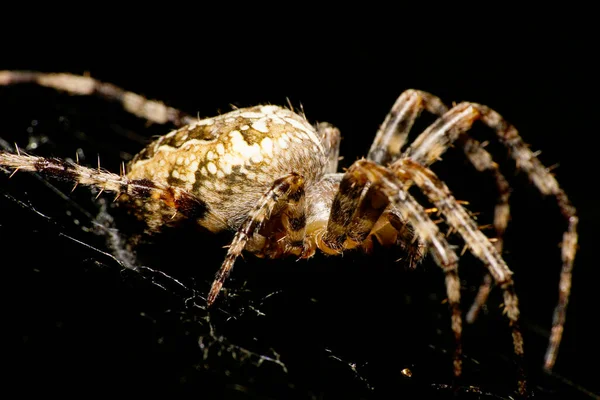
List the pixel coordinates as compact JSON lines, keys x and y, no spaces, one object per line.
{"x":179,"y":200}
{"x":152,"y":110}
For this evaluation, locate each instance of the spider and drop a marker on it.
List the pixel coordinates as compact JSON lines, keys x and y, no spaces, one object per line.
{"x":271,"y":177}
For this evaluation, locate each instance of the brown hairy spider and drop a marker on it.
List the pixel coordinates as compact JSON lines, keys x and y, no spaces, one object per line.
{"x":268,"y":175}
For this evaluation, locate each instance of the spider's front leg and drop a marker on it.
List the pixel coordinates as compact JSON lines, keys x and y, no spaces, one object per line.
{"x":286,"y":194}
{"x":392,"y":136}
{"x":365,"y":192}
{"x":393,"y":133}
{"x":483,"y":162}
{"x":456,"y":123}
{"x":479,"y":245}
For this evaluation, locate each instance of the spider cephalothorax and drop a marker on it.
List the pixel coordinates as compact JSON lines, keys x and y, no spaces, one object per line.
{"x":268,"y":175}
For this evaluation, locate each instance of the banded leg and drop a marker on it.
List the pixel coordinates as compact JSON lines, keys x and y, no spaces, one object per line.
{"x":393,"y":134}
{"x":153,"y":111}
{"x":383,"y":189}
{"x":479,"y":245}
{"x":412,"y":244}
{"x":482,"y":161}
{"x":293,"y":220}
{"x":358,"y":219}
{"x":330,"y":138}
{"x":435,"y":140}
{"x":176,"y":198}
{"x":290,"y":186}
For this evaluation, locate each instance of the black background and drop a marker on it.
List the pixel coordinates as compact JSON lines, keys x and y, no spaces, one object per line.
{"x":82,"y":325}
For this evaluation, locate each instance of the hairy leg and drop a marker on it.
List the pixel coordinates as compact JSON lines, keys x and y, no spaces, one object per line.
{"x":287,"y":235}
{"x":394,"y":131}
{"x":153,"y":111}
{"x":429,"y":146}
{"x":483,"y":162}
{"x":176,"y":198}
{"x":331,"y":138}
{"x":289,"y":187}
{"x":393,"y":134}
{"x":479,"y":245}
{"x":353,"y":217}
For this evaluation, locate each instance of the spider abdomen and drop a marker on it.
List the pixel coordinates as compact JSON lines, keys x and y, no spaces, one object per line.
{"x":229,"y":161}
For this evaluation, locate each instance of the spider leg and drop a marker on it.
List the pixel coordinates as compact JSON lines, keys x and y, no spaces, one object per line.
{"x":354,"y":219}
{"x":153,"y":111}
{"x":382,"y":188}
{"x":392,"y":134}
{"x":391,"y":137}
{"x":293,"y":219}
{"x":412,"y":244}
{"x":174,"y":197}
{"x":482,"y":161}
{"x":330,"y":138}
{"x":434,"y":141}
{"x":286,"y":190}
{"x":479,"y":245}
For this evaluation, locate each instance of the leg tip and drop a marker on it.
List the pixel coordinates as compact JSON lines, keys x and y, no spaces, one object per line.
{"x":214,"y":292}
